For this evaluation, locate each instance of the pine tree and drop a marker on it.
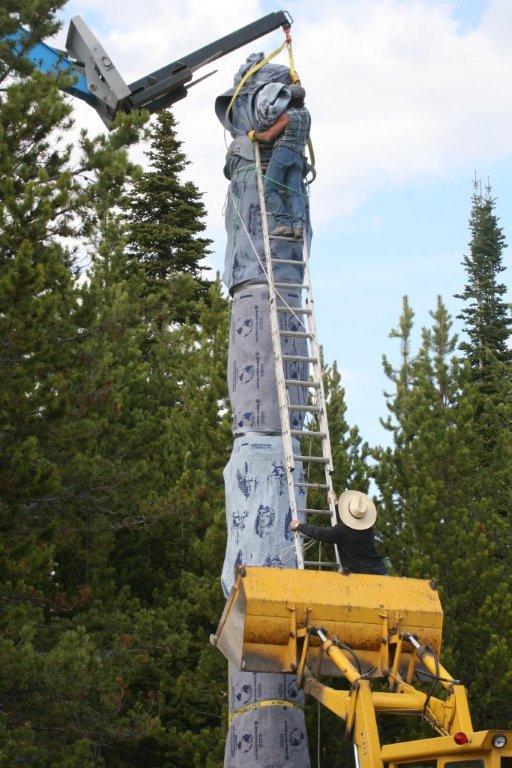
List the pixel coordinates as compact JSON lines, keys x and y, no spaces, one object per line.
{"x":349,"y":451}
{"x":439,"y":519}
{"x":202,"y":428}
{"x":151,"y":460}
{"x":393,"y":464}
{"x":165,"y":216}
{"x":37,"y":20}
{"x":61,"y":697}
{"x":486,"y":396}
{"x":486,"y":314}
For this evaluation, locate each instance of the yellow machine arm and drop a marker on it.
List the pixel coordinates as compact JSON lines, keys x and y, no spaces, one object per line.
{"x":362,"y":628}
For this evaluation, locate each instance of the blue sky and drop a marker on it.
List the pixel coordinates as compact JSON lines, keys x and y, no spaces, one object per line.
{"x":409,"y":99}
{"x":408,"y":241}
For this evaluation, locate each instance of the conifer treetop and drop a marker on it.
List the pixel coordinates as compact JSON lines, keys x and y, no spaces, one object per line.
{"x":486,"y":313}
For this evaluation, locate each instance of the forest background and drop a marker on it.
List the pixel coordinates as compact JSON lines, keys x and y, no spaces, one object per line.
{"x":115,"y":430}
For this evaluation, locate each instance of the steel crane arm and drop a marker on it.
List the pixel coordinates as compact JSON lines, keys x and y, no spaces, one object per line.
{"x":169,"y":81}
{"x":98,"y":82}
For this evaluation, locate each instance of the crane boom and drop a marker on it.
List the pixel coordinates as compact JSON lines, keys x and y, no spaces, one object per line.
{"x":98,"y":82}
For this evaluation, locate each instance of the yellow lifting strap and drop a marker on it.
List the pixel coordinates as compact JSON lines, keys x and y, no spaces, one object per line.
{"x":294,"y":77}
{"x":260,"y":704}
{"x":311,"y":161}
{"x":252,"y":71}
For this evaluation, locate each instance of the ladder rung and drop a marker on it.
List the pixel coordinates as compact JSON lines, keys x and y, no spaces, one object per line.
{"x":306,"y":433}
{"x":300,"y":358}
{"x":315,"y":459}
{"x":291,"y":285}
{"x":295,"y":262}
{"x":321,"y":564}
{"x":295,"y":310}
{"x":304,"y":408}
{"x":306,"y":511}
{"x":318,"y":486}
{"x":297,"y":334}
{"x":299,"y":383}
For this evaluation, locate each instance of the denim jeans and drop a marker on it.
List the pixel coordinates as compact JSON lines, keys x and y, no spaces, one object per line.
{"x":284,"y":173}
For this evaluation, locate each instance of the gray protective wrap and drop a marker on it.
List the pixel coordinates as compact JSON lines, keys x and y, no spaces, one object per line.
{"x":241,"y":115}
{"x":262,"y":732}
{"x":245,"y":255}
{"x":251,"y":370}
{"x":249,"y":688}
{"x":257,"y":506}
{"x":269,"y":737}
{"x":253,"y":738}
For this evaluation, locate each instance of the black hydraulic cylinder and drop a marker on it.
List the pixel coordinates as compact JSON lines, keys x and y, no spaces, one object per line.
{"x":174,"y":76}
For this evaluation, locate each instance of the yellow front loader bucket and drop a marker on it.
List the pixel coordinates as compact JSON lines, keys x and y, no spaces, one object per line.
{"x":360,"y":627}
{"x":258,"y":628}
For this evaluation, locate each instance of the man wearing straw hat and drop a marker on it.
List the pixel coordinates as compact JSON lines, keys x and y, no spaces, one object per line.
{"x":354,"y":535}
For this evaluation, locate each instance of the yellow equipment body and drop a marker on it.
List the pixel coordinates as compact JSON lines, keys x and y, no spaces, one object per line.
{"x":363,"y":610}
{"x":362,"y":627}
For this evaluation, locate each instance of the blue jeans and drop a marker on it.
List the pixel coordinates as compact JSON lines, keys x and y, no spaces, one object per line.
{"x":284,"y":173}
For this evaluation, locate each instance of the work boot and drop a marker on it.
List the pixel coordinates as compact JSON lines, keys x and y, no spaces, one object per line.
{"x":282,"y":231}
{"x":298,"y":233}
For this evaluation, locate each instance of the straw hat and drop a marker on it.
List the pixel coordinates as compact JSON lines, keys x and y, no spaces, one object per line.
{"x":356,"y":510}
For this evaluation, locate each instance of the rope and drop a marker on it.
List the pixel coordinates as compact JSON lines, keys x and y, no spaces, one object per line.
{"x":263,"y":266}
{"x":311,"y":161}
{"x":284,"y":186}
{"x":261,"y":704}
{"x":307,"y":546}
{"x":318,"y":734}
{"x":294,"y":77}
{"x":252,"y":71}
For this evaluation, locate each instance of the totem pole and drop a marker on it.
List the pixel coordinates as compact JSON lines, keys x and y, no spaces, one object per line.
{"x":266,"y":728}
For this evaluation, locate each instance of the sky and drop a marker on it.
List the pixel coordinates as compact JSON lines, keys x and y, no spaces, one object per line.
{"x":410,"y":100}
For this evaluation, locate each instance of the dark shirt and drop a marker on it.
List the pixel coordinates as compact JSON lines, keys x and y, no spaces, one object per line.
{"x":357,"y":549}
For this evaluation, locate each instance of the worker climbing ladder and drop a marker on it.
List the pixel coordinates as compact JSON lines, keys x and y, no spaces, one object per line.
{"x":314,"y":407}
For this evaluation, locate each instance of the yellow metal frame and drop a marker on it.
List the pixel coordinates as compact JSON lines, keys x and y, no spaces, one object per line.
{"x":269,"y":605}
{"x":290,"y":621}
{"x":359,"y":706}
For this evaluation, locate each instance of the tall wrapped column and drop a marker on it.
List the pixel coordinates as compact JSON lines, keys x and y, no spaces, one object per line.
{"x":266,"y":723}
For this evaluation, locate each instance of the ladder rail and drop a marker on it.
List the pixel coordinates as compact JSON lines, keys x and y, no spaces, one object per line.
{"x":320,"y":393}
{"x":278,"y":360}
{"x":306,"y":316}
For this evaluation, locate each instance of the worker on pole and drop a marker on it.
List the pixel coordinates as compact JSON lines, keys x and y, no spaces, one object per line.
{"x":354,"y":535}
{"x":285,"y":170}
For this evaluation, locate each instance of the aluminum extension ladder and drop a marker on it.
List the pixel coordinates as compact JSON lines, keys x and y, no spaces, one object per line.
{"x":314,"y":387}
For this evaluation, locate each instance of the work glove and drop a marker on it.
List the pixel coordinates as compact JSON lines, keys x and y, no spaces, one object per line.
{"x":252,"y":136}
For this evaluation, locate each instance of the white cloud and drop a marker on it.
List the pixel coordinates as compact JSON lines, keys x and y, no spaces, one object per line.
{"x":397,"y":92}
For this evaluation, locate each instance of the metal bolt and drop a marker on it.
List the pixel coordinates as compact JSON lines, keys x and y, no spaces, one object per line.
{"x":92,"y":87}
